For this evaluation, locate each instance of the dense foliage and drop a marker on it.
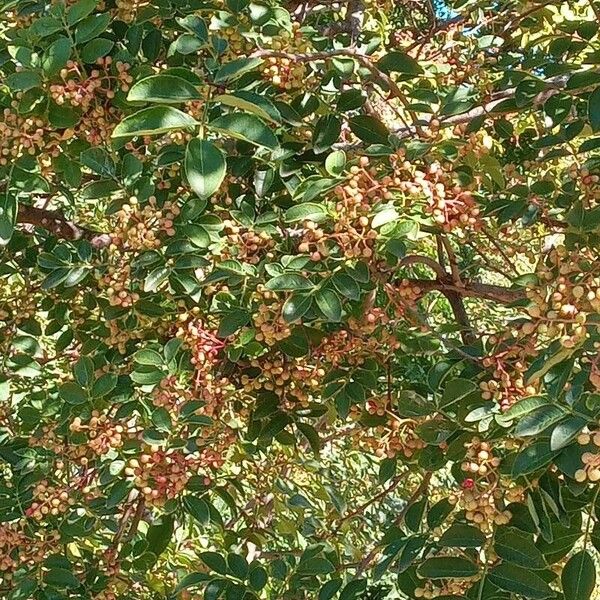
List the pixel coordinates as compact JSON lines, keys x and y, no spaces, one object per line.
{"x":299,"y":300}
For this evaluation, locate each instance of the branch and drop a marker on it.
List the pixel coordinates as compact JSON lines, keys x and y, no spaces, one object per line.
{"x":56,"y":223}
{"x":420,"y":491}
{"x":415,"y":259}
{"x":354,"y":16}
{"x":470,"y":289}
{"x":372,"y":555}
{"x":358,"y":511}
{"x":365,"y":61}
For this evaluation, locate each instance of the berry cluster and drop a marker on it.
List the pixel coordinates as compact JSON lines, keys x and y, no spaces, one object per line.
{"x":103,"y":434}
{"x":481,"y":494}
{"x":268,"y":318}
{"x":161,"y":475}
{"x":285,"y":73}
{"x":246,"y":245}
{"x":20,"y":549}
{"x":444,"y":588}
{"x":395,"y":438}
{"x":20,"y":136}
{"x":139,"y":227}
{"x":568,"y":291}
{"x":82,"y":91}
{"x":508,"y":362}
{"x":591,"y":458}
{"x":293,"y":381}
{"x":354,"y":203}
{"x":49,"y":500}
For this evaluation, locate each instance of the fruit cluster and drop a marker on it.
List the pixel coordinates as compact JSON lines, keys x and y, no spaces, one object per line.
{"x":49,"y":501}
{"x":20,"y":135}
{"x":245,"y":244}
{"x":103,"y":433}
{"x":161,"y":475}
{"x":481,"y":493}
{"x":444,"y":588}
{"x":508,"y":363}
{"x":81,"y":91}
{"x":139,"y":227}
{"x":293,"y":381}
{"x":18,"y":548}
{"x":395,"y":438}
{"x":285,"y":73}
{"x":590,"y":459}
{"x":268,"y":319}
{"x":568,"y":291}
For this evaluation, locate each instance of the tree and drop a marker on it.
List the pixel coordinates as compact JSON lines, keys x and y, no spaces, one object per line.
{"x":299,"y":300}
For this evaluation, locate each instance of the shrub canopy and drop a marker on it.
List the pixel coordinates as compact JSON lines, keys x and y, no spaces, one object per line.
{"x":299,"y":300}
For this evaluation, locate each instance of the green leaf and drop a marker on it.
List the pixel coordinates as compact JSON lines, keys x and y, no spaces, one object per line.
{"x":329,"y":304}
{"x":205,"y":167}
{"x":346,"y":286}
{"x":258,"y":578}
{"x":99,"y":161}
{"x":564,"y":433}
{"x":236,"y":68}
{"x":326,"y":133}
{"x":214,"y":561}
{"x":382,"y":217}
{"x":521,"y":581}
{"x":517,"y":547}
{"x":316,"y":566}
{"x":155,"y":279}
{"x":524,"y":407}
{"x":594,"y":109}
{"x":387,"y":469}
{"x":192,"y":580}
{"x":104,"y":385}
{"x":198,"y":508}
{"x":149,"y":357}
{"x":252,"y":103}
{"x":152,"y":121}
{"x":238,"y":565}
{"x":56,"y":56}
{"x":369,"y":129}
{"x":61,"y":579}
{"x":163,"y":88}
{"x":8,"y":217}
{"x":91,"y":27}
{"x":83,"y":370}
{"x":295,"y":307}
{"x":118,"y":492}
{"x":186,"y":43}
{"x":73,"y":394}
{"x":462,"y":536}
{"x":335,"y":163}
{"x":23,"y":80}
{"x":447,"y":567}
{"x":95,"y":49}
{"x":289,"y":282}
{"x":399,"y":62}
{"x":247,"y":128}
{"x":80,"y":10}
{"x":311,"y":435}
{"x":532,"y":458}
{"x":159,"y":535}
{"x":538,"y":421}
{"x":306,"y":211}
{"x":579,"y":576}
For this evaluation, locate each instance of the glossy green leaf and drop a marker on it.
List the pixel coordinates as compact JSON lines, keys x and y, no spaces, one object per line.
{"x":153,"y":121}
{"x":205,"y":167}
{"x":164,"y":89}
